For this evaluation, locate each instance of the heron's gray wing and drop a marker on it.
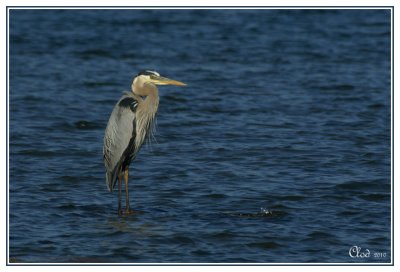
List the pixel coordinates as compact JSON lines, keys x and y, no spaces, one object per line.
{"x":119,"y":138}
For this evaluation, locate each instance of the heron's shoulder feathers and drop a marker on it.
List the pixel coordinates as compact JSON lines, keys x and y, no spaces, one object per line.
{"x":129,"y":100}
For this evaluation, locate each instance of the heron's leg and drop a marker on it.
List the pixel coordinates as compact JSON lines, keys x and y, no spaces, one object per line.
{"x":119,"y":195}
{"x":126,"y":176}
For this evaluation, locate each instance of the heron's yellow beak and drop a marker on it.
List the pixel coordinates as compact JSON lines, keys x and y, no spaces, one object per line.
{"x":159,"y":80}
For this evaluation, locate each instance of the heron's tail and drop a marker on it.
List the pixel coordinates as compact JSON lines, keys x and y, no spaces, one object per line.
{"x":111,"y":180}
{"x":111,"y":177}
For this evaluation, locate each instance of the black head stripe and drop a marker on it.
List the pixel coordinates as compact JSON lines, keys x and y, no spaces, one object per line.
{"x":147,"y":73}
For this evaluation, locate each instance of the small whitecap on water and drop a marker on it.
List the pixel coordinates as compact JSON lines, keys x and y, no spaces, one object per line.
{"x":264,"y":212}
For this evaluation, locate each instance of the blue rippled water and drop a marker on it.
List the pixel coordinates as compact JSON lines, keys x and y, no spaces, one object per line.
{"x":277,"y":151}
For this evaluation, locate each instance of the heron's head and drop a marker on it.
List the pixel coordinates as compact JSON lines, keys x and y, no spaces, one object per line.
{"x":152,"y":77}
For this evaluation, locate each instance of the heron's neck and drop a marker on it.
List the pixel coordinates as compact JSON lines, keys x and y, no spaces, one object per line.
{"x":150,"y":94}
{"x":151,"y":101}
{"x":146,"y":113}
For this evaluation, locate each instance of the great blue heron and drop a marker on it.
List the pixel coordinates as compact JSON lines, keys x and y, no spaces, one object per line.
{"x":131,"y":122}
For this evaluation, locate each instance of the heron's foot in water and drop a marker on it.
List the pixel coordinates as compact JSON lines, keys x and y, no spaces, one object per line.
{"x":128,"y":212}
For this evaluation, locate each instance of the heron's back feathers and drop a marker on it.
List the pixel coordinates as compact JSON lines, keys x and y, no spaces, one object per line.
{"x":119,"y":138}
{"x":131,"y":122}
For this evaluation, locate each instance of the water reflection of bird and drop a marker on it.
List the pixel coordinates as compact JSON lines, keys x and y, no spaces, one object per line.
{"x":130,"y":123}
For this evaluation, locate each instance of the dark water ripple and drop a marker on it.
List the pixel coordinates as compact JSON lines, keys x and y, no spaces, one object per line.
{"x":277,"y":151}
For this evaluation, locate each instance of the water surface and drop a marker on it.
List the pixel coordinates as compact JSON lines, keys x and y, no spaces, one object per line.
{"x":277,"y":151}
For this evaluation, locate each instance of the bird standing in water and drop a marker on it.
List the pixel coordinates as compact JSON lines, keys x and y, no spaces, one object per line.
{"x":130,"y":123}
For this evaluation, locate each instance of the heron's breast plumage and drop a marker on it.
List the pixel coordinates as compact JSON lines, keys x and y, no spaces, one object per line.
{"x":145,"y":118}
